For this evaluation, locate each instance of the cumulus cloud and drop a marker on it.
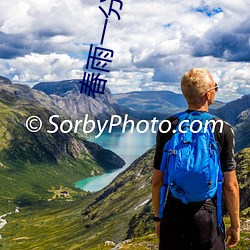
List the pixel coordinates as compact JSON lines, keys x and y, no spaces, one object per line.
{"x":231,"y":45}
{"x":154,"y":43}
{"x":34,"y":68}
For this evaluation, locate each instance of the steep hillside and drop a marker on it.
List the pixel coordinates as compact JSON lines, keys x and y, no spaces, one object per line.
{"x":130,"y":196}
{"x":232,"y":110}
{"x":243,"y":174}
{"x":123,"y":210}
{"x":4,"y":80}
{"x":237,"y":114}
{"x":67,"y":96}
{"x":242,"y":130}
{"x":106,"y":215}
{"x":32,"y":163}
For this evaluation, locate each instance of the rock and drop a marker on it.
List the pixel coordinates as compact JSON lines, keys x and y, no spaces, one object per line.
{"x":67,"y":96}
{"x":4,"y":80}
{"x":109,"y":243}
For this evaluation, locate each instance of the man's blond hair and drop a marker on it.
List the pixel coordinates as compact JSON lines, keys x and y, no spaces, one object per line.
{"x":195,"y":83}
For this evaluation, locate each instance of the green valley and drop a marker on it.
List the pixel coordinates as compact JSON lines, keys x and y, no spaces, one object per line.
{"x":32,"y":163}
{"x":123,"y":210}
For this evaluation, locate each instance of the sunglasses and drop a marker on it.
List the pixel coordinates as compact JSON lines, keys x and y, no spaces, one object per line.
{"x":216,"y":87}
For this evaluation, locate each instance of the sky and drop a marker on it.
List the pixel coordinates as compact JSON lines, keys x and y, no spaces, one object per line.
{"x":154,"y":43}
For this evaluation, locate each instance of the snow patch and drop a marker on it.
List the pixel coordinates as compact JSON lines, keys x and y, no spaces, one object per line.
{"x":142,"y":204}
{"x":2,"y":223}
{"x":143,"y":186}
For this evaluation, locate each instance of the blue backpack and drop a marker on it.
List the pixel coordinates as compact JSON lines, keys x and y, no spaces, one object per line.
{"x":191,"y":162}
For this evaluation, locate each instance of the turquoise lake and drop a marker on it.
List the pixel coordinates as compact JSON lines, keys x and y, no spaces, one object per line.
{"x":129,"y":146}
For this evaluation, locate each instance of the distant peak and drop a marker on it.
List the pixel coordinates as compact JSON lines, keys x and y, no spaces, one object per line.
{"x":4,"y":80}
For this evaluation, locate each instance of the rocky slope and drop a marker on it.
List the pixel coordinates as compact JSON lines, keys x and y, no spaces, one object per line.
{"x":31,"y":163}
{"x":242,"y":130}
{"x":237,"y":114}
{"x":4,"y":80}
{"x":67,"y":96}
{"x":120,"y":211}
{"x":232,"y":110}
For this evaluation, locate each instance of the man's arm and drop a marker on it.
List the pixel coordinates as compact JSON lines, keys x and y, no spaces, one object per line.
{"x":157,"y":179}
{"x":231,"y":195}
{"x":156,"y":187}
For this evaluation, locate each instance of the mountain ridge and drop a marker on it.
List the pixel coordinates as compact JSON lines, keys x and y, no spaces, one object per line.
{"x":67,"y":96}
{"x":58,"y":159}
{"x":4,"y":80}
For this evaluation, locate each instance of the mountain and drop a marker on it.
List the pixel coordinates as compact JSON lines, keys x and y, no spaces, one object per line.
{"x":232,"y":110}
{"x":216,"y":105}
{"x":242,"y":130}
{"x":149,"y":104}
{"x":237,"y":114}
{"x":106,"y":215}
{"x":4,"y":80}
{"x":67,"y":96}
{"x":34,"y":166}
{"x":32,"y":163}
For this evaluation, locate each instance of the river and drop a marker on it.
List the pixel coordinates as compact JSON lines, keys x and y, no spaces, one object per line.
{"x":128,"y":146}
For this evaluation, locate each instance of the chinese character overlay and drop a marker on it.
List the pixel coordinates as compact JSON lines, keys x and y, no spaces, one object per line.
{"x":100,"y":55}
{"x":92,"y":84}
{"x":109,"y":13}
{"x":100,"y":58}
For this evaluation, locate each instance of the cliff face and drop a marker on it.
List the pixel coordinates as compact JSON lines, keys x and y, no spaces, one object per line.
{"x":67,"y":97}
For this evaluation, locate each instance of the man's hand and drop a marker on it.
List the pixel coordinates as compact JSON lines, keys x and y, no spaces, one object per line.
{"x":232,"y":236}
{"x":157,"y":228}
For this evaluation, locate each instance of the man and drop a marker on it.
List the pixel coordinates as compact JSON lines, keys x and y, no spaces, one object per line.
{"x":194,"y":225}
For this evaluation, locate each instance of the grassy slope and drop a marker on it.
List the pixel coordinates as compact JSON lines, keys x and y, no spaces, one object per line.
{"x":60,"y":225}
{"x":150,"y":242}
{"x":243,"y":176}
{"x":55,"y":225}
{"x":31,"y":164}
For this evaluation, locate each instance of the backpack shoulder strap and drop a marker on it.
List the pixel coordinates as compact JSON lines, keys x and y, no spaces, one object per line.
{"x":208,"y":116}
{"x":182,"y":115}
